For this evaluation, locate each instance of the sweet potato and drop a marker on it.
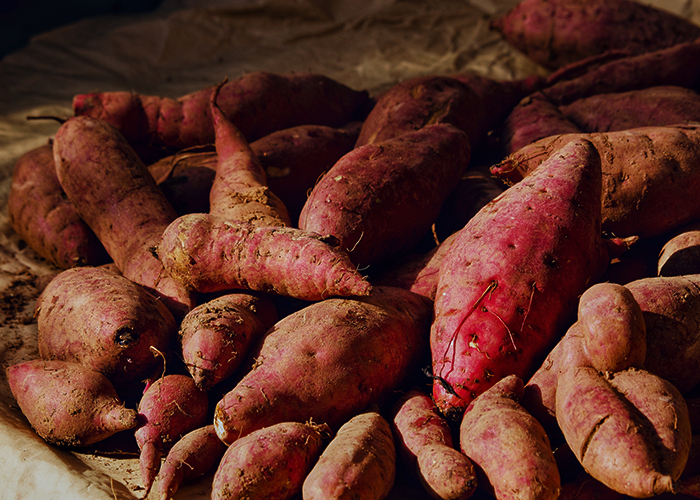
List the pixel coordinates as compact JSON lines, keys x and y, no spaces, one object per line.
{"x":365,"y":199}
{"x":680,"y":255}
{"x":192,"y":456}
{"x":170,"y":407}
{"x":117,"y":197}
{"x":328,"y":362}
{"x":507,"y":291}
{"x":644,"y":169}
{"x":98,"y":318}
{"x":215,"y":336}
{"x":239,"y":191}
{"x":68,"y":404}
{"x":554,"y":33}
{"x":211,"y":254}
{"x":271,"y":462}
{"x":44,"y":218}
{"x":509,"y":447}
{"x":258,"y":103}
{"x":185,"y":178}
{"x":425,"y":448}
{"x":358,"y":462}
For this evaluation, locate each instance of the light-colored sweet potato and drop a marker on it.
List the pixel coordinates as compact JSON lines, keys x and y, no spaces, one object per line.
{"x":271,"y":462}
{"x":380,"y":199}
{"x":509,"y":447}
{"x":98,"y":318}
{"x":328,"y":362}
{"x":509,"y":285}
{"x":211,"y":254}
{"x":358,"y":462}
{"x":258,"y":103}
{"x":117,"y":197}
{"x":68,"y":404}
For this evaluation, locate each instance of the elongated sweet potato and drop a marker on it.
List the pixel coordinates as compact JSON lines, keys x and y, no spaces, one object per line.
{"x":210,"y":254}
{"x":68,"y":404}
{"x":258,"y":103}
{"x":358,"y":462}
{"x":557,"y":32}
{"x":497,"y":429}
{"x":271,"y":462}
{"x":644,"y":169}
{"x":117,"y":197}
{"x":507,"y":290}
{"x":98,"y":318}
{"x":328,"y":362}
{"x":44,"y":218}
{"x":365,"y":199}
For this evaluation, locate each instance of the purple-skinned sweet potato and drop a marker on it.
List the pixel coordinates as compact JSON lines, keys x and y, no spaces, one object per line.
{"x":509,"y":447}
{"x":68,"y":404}
{"x":98,"y":318}
{"x":211,"y":254}
{"x":328,"y":361}
{"x":509,"y":285}
{"x":380,"y":199}
{"x":258,"y":103}
{"x":554,"y":33}
{"x":114,"y":193}
{"x":169,"y":408}
{"x":271,"y":462}
{"x":215,"y":336}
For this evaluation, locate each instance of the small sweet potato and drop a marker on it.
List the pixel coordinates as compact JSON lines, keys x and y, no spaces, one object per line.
{"x":68,"y":404}
{"x":508,"y":446}
{"x":271,"y":462}
{"x":680,"y":255}
{"x":358,"y":462}
{"x":98,"y":318}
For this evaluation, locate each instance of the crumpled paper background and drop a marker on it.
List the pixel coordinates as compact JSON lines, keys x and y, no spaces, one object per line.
{"x":181,"y":47}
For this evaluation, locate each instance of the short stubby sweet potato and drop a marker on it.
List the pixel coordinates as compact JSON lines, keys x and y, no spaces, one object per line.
{"x":68,"y":404}
{"x":554,"y":33}
{"x":649,"y":173}
{"x":509,"y":447}
{"x":509,"y":285}
{"x":380,"y":199}
{"x":42,"y":216}
{"x":358,"y":462}
{"x":96,"y":317}
{"x":211,"y":254}
{"x":258,"y":103}
{"x":271,"y":462}
{"x":328,"y":361}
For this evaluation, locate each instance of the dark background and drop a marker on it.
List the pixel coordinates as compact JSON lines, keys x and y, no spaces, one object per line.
{"x":21,"y":19}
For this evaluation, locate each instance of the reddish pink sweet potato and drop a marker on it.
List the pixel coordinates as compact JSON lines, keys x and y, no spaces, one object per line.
{"x":328,"y":362}
{"x":680,"y":255}
{"x":117,"y":197}
{"x":170,"y":408}
{"x":98,"y":318}
{"x":358,"y":462}
{"x":509,"y":447}
{"x":44,"y":218}
{"x":557,"y":32}
{"x":269,"y":463}
{"x":425,"y":448}
{"x":258,"y":103}
{"x":364,"y":198}
{"x":68,"y":404}
{"x":215,"y":336}
{"x":210,"y":254}
{"x":507,"y":290}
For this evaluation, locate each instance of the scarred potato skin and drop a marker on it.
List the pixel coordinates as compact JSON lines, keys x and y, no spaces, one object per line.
{"x":271,"y":462}
{"x":359,"y":462}
{"x":508,"y":446}
{"x":68,"y":404}
{"x":342,"y":354}
{"x":98,"y":318}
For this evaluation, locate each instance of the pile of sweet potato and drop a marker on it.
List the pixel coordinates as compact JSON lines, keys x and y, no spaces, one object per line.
{"x":463,"y":285}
